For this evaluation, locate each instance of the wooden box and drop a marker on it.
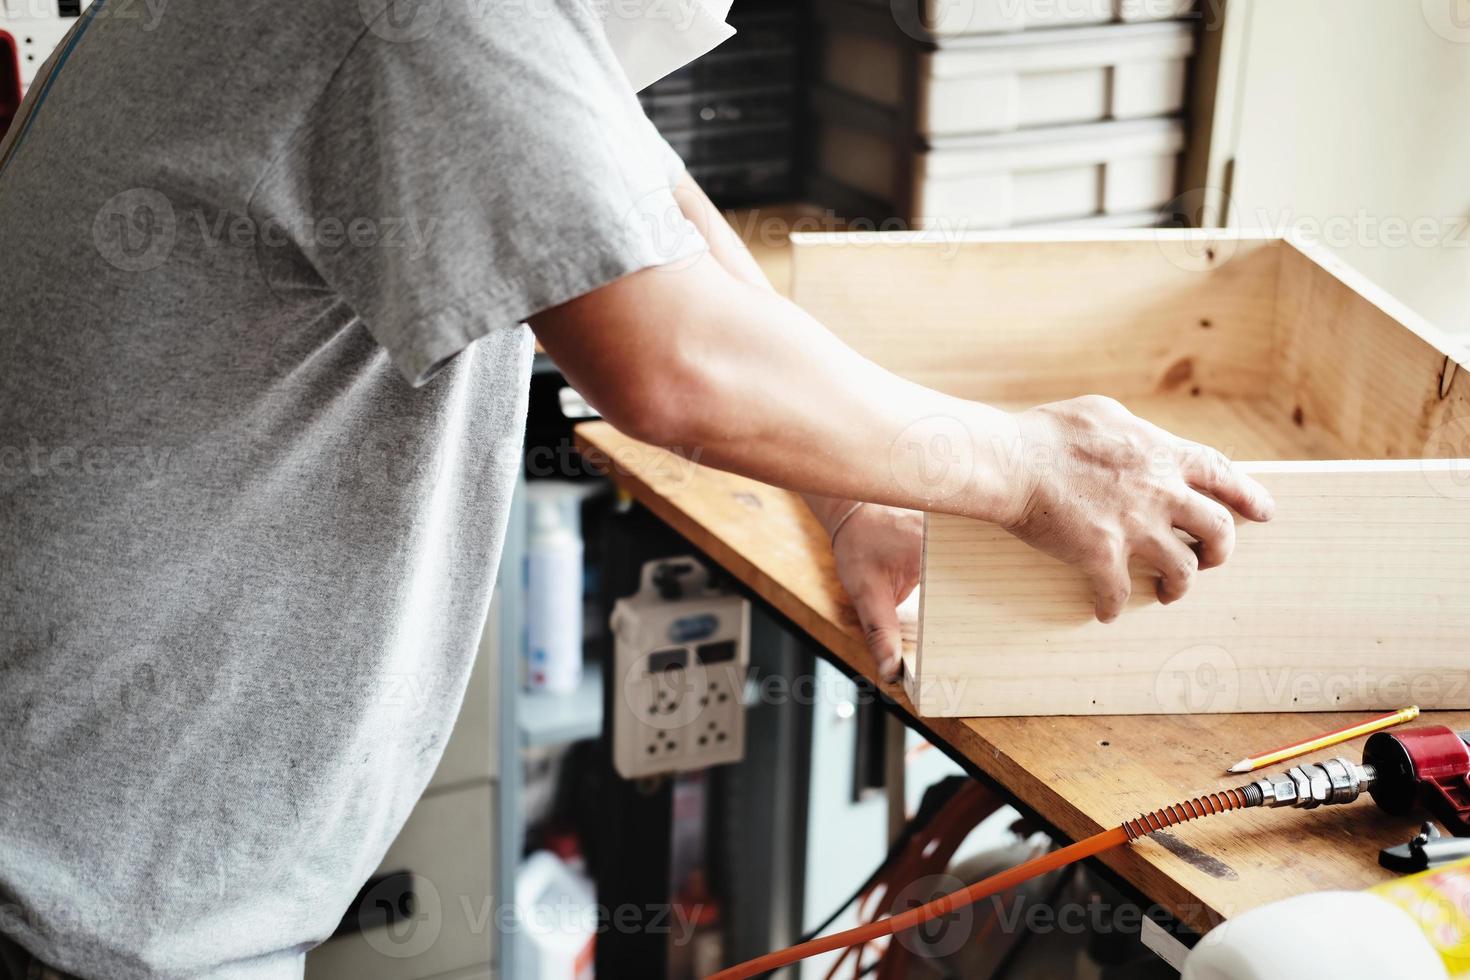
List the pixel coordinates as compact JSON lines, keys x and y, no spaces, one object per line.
{"x":1357,"y":596}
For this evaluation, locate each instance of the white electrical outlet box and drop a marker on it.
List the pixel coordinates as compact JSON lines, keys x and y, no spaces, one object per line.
{"x":36,"y":27}
{"x":681,"y":653}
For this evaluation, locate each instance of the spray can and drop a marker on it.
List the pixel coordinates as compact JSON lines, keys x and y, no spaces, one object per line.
{"x":1412,"y":928}
{"x":553,"y":592}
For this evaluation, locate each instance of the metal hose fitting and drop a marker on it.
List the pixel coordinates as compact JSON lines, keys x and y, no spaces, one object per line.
{"x":1314,"y":784}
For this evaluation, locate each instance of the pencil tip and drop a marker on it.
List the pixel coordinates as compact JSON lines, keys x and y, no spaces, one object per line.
{"x":1244,"y":765}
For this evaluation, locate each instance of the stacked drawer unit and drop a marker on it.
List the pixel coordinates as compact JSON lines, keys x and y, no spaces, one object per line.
{"x":731,"y":115}
{"x":930,"y":120}
{"x":448,"y":929}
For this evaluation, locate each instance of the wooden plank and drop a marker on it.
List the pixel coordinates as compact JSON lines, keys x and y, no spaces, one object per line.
{"x":1081,"y":774}
{"x":1037,"y":317}
{"x":1241,"y":428}
{"x":1358,"y":364}
{"x":1356,"y":597}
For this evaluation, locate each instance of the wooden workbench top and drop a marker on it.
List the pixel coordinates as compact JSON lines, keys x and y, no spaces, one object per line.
{"x":1081,"y":774}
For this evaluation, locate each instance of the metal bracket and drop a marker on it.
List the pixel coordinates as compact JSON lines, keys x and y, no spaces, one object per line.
{"x":1165,"y":945}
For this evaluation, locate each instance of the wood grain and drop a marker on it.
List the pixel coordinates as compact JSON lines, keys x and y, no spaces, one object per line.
{"x":1035,"y":319}
{"x":1356,"y":597}
{"x":1263,"y":348}
{"x":1354,"y":362}
{"x":1082,"y":774}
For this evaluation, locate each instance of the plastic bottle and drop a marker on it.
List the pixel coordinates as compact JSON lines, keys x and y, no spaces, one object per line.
{"x":557,"y":909}
{"x":1413,"y":928}
{"x":553,"y":597}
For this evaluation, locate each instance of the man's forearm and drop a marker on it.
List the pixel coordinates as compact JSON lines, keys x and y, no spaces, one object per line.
{"x":697,"y":360}
{"x":734,"y":257}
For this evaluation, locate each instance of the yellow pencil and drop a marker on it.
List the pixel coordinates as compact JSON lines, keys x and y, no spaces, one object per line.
{"x":1331,"y":738}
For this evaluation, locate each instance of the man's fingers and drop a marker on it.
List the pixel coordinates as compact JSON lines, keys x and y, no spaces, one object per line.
{"x":1210,"y":471}
{"x":1211,"y":525}
{"x":1112,"y":586}
{"x":1176,"y":563}
{"x":879,"y":617}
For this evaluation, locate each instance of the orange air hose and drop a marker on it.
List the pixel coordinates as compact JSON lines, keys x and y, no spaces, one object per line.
{"x":1131,"y":830}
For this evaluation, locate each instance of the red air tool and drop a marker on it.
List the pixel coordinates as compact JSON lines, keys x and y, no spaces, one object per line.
{"x":1428,"y":766}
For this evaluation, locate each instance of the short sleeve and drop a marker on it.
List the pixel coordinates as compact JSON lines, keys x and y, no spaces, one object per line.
{"x":457,"y":179}
{"x":670,"y":163}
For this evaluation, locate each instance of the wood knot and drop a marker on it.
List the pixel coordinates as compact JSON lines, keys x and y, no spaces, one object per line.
{"x":1179,"y":372}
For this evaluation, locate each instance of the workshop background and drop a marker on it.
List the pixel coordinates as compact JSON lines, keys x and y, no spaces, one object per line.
{"x":829,"y":115}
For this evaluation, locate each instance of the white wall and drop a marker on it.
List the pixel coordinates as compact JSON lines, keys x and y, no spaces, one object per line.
{"x":1353,"y":116}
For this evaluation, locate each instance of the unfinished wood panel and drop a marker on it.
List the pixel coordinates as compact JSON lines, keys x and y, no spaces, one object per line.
{"x":1357,"y":596}
{"x":1036,"y":318}
{"x":1355,"y":363}
{"x":1081,"y":774}
{"x":1241,"y":428}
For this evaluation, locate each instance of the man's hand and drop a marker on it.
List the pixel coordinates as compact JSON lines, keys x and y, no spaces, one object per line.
{"x":1108,"y":488}
{"x":879,"y":551}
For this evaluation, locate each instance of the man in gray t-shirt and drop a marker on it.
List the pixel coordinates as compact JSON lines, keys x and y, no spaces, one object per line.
{"x":265,"y":274}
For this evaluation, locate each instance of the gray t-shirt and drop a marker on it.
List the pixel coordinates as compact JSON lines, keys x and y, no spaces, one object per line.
{"x":263,"y":371}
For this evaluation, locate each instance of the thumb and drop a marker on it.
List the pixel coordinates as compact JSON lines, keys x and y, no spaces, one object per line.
{"x":879,"y":617}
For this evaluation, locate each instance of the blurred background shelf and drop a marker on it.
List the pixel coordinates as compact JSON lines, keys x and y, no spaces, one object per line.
{"x":559,"y":719}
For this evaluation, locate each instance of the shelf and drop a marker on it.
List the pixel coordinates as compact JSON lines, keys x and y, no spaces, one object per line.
{"x":556,"y":719}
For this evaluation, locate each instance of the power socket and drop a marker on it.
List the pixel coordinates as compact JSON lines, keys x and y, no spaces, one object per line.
{"x":681,"y":653}
{"x":37,"y":27}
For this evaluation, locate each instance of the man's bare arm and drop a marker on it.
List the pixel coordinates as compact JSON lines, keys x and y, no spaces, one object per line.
{"x":699,"y":360}
{"x":732,"y":254}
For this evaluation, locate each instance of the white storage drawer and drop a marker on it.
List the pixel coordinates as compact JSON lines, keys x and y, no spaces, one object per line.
{"x":948,"y":18}
{"x":1026,"y":177}
{"x":446,"y":844}
{"x":1006,"y":82}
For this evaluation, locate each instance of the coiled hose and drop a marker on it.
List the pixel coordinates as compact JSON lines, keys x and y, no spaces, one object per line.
{"x":1141,"y":826}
